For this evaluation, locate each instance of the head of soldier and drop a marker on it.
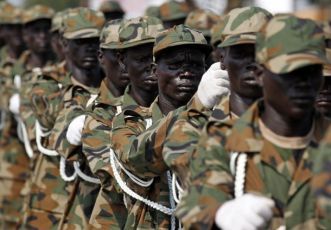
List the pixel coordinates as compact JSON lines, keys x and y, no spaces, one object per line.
{"x":291,"y":73}
{"x":238,"y":44}
{"x":323,"y":101}
{"x":180,"y":54}
{"x":173,"y":13}
{"x":111,"y":10}
{"x":137,"y":37}
{"x":57,"y":22}
{"x":117,"y":78}
{"x":11,"y":23}
{"x":37,"y":25}
{"x":80,"y":37}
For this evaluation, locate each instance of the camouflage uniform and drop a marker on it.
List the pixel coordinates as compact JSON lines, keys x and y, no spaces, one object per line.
{"x":186,"y":131}
{"x":141,"y":153}
{"x":271,"y":169}
{"x":78,"y":23}
{"x":173,"y":10}
{"x":109,"y":210}
{"x":14,"y":166}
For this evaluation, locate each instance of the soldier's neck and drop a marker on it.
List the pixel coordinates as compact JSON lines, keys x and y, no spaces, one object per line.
{"x":238,"y":104}
{"x":142,"y":97}
{"x":38,"y":59}
{"x":116,"y":91}
{"x":89,"y":77}
{"x":282,"y":125}
{"x":167,"y":105}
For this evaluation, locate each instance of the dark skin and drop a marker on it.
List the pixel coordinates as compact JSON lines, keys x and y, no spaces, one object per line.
{"x":116,"y":79}
{"x":2,"y":34}
{"x":82,"y":58}
{"x":57,"y":45}
{"x":137,"y":61}
{"x":289,"y":99}
{"x":179,"y":71}
{"x":37,"y":38}
{"x":172,"y":23}
{"x":14,"y":40}
{"x":113,"y":15}
{"x":323,"y":100}
{"x":239,"y":61}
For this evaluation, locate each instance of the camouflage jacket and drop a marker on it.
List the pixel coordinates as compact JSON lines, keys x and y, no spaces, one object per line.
{"x":271,"y":171}
{"x":109,"y":210}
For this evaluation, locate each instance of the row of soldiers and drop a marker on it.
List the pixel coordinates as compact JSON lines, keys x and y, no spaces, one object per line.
{"x":122,"y":127}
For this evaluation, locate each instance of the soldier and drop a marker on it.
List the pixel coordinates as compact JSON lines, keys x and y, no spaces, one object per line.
{"x":49,"y":193}
{"x":109,"y":210}
{"x":186,"y":131}
{"x":153,"y":11}
{"x":179,"y":55}
{"x":173,"y":13}
{"x":111,"y":10}
{"x":216,"y":39}
{"x":56,"y":35}
{"x":257,"y":174}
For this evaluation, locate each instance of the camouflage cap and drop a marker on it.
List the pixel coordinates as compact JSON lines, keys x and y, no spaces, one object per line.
{"x":37,"y":12}
{"x":327,"y":67}
{"x":139,"y":31}
{"x":202,"y":21}
{"x":10,"y":14}
{"x":153,"y":11}
{"x":178,"y":36}
{"x":287,"y":43}
{"x":242,"y":25}
{"x":82,"y":22}
{"x":110,"y":6}
{"x":57,"y":21}
{"x":326,"y":26}
{"x":216,"y":32}
{"x":109,"y":37}
{"x":173,"y":10}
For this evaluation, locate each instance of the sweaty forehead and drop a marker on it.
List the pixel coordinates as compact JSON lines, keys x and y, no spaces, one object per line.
{"x":182,"y":52}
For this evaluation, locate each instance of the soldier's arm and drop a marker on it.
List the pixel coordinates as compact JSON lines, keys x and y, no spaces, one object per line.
{"x":211,"y":183}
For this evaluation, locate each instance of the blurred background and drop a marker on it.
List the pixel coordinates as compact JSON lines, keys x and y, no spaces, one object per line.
{"x":315,"y":9}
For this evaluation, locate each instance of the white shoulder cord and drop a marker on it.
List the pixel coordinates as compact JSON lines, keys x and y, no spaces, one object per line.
{"x":91,"y":100}
{"x":19,"y":130}
{"x":83,"y":176}
{"x":2,"y":120}
{"x":177,"y":190}
{"x":233,"y":158}
{"x":171,"y":199}
{"x":26,"y":140}
{"x":118,"y":110}
{"x":17,"y":81}
{"x":239,"y":183}
{"x":127,"y":190}
{"x":149,"y":122}
{"x":134,"y":178}
{"x":39,"y":135}
{"x":63,"y":174}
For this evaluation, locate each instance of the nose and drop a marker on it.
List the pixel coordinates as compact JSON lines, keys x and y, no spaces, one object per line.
{"x":251,"y":67}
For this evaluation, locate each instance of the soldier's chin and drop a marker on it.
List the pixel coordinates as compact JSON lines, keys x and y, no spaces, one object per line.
{"x":90,"y":64}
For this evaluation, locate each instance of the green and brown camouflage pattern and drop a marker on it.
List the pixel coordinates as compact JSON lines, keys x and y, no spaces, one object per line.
{"x":173,"y":10}
{"x":153,"y":11}
{"x":216,"y":32}
{"x":110,"y":6}
{"x":305,"y":44}
{"x":37,"y":12}
{"x":178,"y":36}
{"x":242,"y":25}
{"x":271,"y":171}
{"x":109,"y":37}
{"x":202,"y":21}
{"x":82,"y":22}
{"x":57,"y":21}
{"x":11,"y":15}
{"x":139,"y":31}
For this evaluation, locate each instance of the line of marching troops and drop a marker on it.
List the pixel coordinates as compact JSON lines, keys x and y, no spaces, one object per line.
{"x":178,"y":119}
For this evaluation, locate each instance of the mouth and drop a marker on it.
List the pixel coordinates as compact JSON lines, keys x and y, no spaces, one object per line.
{"x":250,"y":80}
{"x":186,"y":88}
{"x":304,"y":100}
{"x":150,"y":80}
{"x":90,"y":59}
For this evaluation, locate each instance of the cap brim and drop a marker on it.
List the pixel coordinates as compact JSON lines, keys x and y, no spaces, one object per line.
{"x":290,"y":62}
{"x":36,"y":19}
{"x":327,"y":70}
{"x":238,"y":39}
{"x":85,"y":33}
{"x":204,"y":47}
{"x":137,"y":43}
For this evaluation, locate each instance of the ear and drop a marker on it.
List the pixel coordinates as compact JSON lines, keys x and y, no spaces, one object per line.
{"x":121,"y":59}
{"x":222,"y":56}
{"x":258,"y":73}
{"x":153,"y":68}
{"x":100,"y":56}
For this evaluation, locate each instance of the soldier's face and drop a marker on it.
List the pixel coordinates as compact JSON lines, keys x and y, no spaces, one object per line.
{"x":13,"y":35}
{"x":83,"y":52}
{"x":37,"y":35}
{"x":179,"y":71}
{"x":138,"y":61}
{"x":292,"y":94}
{"x":109,"y":63}
{"x":323,"y":101}
{"x":239,"y":61}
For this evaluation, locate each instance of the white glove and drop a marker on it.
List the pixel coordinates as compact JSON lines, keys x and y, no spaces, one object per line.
{"x":14,"y":104}
{"x":248,"y":212}
{"x":74,"y":133}
{"x":213,"y":86}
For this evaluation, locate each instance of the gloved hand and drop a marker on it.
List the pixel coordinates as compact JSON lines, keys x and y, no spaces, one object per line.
{"x":213,"y":86}
{"x":248,"y":212}
{"x":74,"y":133}
{"x":14,"y":104}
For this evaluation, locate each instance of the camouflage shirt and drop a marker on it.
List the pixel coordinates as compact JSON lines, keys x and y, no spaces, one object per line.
{"x":279,"y":173}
